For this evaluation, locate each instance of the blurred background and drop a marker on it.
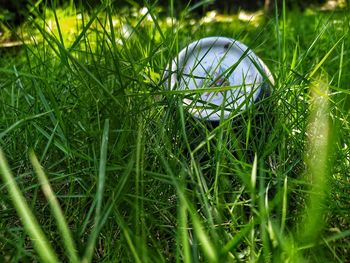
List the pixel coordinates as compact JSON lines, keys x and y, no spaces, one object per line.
{"x":12,"y":13}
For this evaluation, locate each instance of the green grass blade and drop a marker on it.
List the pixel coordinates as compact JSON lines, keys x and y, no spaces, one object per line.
{"x":295,"y":56}
{"x":99,"y":194}
{"x":284,"y":204}
{"x":56,"y":210}
{"x":127,"y":235}
{"x":341,"y":64}
{"x":325,"y":58}
{"x":51,"y":40}
{"x":36,"y":234}
{"x":184,"y":245}
{"x":203,"y":237}
{"x":234,"y":242}
{"x":20,"y":122}
{"x":139,"y":190}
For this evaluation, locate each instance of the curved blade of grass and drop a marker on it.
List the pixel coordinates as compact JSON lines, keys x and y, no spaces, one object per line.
{"x":36,"y":234}
{"x":56,"y":209}
{"x":19,"y":122}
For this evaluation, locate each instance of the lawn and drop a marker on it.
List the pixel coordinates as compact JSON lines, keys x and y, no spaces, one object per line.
{"x":100,"y":162}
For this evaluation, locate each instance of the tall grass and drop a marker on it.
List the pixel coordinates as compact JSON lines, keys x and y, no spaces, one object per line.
{"x":130,"y":175}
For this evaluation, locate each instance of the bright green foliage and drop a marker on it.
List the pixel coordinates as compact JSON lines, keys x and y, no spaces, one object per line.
{"x":131,"y":176}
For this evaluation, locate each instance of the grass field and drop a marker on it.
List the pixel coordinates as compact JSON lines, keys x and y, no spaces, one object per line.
{"x":100,"y":163}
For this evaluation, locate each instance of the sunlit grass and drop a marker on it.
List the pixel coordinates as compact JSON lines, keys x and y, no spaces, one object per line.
{"x":130,"y":175}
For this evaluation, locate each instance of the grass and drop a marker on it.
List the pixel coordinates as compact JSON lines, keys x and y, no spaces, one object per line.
{"x":122,"y":172}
